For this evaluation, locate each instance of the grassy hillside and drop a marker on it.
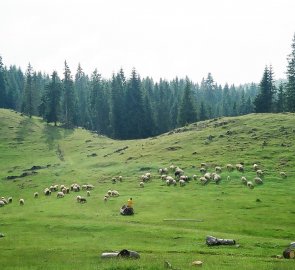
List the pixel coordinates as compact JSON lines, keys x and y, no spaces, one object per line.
{"x":170,"y":222}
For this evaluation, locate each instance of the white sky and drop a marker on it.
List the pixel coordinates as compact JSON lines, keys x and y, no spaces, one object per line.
{"x":232,"y":39}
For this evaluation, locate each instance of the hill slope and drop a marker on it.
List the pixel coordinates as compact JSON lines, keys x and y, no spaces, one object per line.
{"x":170,"y":223}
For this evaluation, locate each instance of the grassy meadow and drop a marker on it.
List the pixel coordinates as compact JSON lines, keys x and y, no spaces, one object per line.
{"x":170,"y":222}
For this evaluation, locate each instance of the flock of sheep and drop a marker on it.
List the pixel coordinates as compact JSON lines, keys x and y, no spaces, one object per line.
{"x":178,"y":177}
{"x":62,"y":190}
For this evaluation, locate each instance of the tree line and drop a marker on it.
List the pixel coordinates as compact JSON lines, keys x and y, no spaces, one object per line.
{"x":133,"y":107}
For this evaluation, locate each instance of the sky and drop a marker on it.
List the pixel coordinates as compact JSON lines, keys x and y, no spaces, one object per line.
{"x":232,"y":39}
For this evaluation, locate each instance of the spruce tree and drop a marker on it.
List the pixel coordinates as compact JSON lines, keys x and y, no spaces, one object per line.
{"x":3,"y":86}
{"x":264,"y":99}
{"x":53,"y":99}
{"x":28,"y":100}
{"x":187,"y":109}
{"x":281,"y":99}
{"x":134,"y":107}
{"x":68,"y":100}
{"x":290,"y":85}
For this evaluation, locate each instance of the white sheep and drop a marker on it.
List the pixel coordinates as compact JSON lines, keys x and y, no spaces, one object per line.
{"x":47,"y":192}
{"x":208,"y":175}
{"x":4,"y":200}
{"x":115,"y":193}
{"x":250,"y":185}
{"x":173,"y":182}
{"x":283,"y":174}
{"x":229,"y":167}
{"x":36,"y":195}
{"x":203,"y":170}
{"x":88,"y":193}
{"x":218,"y":169}
{"x":78,"y":198}
{"x":259,"y":173}
{"x":216,"y":178}
{"x":83,"y":200}
{"x":21,"y":201}
{"x":255,"y":167}
{"x":240,"y":167}
{"x":2,"y":203}
{"x":120,"y":178}
{"x":141,"y":184}
{"x":9,"y":199}
{"x":258,"y":180}
{"x":60,"y":194}
{"x":244,"y":180}
{"x":105,"y":198}
{"x":203,"y":180}
{"x":181,"y":182}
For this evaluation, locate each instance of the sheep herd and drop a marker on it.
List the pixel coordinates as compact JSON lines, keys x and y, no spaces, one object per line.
{"x":62,"y":190}
{"x":174,"y":175}
{"x":171,"y":176}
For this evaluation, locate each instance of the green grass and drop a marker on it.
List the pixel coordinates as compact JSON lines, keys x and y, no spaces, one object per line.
{"x":51,"y":233}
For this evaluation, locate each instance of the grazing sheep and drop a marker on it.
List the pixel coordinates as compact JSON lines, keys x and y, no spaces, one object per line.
{"x":283,"y":174}
{"x":255,"y":167}
{"x":203,"y":170}
{"x":47,"y":192}
{"x":115,"y":193}
{"x":60,"y":194}
{"x":208,"y":175}
{"x":203,"y":180}
{"x":109,"y":192}
{"x":2,"y":203}
{"x":258,"y":180}
{"x":36,"y":195}
{"x":216,"y":178}
{"x":178,"y":172}
{"x":141,"y":184}
{"x":105,"y":198}
{"x":21,"y":201}
{"x":244,"y":180}
{"x":218,"y":169}
{"x":78,"y":198}
{"x":145,"y":178}
{"x":9,"y":199}
{"x":172,"y":168}
{"x":89,"y":187}
{"x":4,"y":200}
{"x":240,"y":167}
{"x":229,"y":167}
{"x":181,"y":182}
{"x":250,"y":185}
{"x":259,"y":173}
{"x":168,"y":182}
{"x":64,"y":190}
{"x":173,"y":182}
{"x":83,"y":200}
{"x":184,"y":177}
{"x":163,"y":171}
{"x":76,"y":188}
{"x":88,"y":193}
{"x":120,"y":178}
{"x":84,"y":187}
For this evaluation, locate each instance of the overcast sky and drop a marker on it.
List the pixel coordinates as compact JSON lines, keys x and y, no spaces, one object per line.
{"x":232,"y":39}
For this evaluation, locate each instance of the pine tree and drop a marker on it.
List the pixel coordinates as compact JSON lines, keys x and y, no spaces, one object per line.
{"x":290,"y":85}
{"x":134,"y":107}
{"x":264,"y":99}
{"x":203,"y":113}
{"x":3,"y":86}
{"x":187,"y":110}
{"x":28,"y":100}
{"x":117,"y":105}
{"x":69,"y":100}
{"x":52,"y":99}
{"x":281,"y":99}
{"x":81,"y":87}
